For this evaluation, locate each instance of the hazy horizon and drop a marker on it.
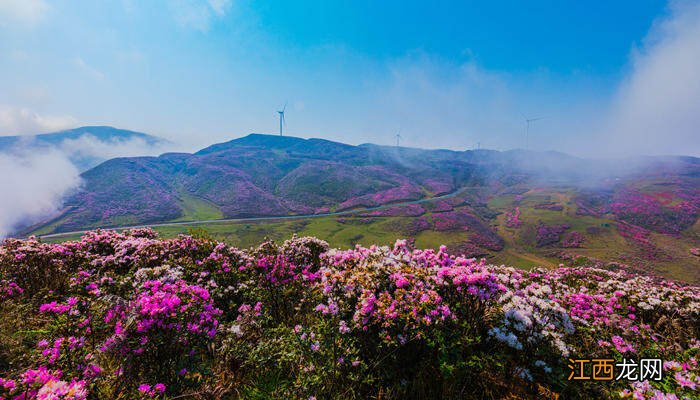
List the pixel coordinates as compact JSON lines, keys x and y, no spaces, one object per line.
{"x":137,"y":147}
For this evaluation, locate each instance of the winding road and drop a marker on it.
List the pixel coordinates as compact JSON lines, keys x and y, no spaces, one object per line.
{"x":270,"y":218}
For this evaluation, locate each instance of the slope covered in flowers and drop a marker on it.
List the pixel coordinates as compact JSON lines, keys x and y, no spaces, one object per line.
{"x":132,"y":316}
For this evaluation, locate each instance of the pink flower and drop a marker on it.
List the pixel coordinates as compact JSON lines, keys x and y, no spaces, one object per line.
{"x":621,"y":346}
{"x":684,"y":381}
{"x":55,"y":389}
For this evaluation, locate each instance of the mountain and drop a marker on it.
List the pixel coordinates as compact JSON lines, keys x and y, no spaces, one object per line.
{"x":521,"y":207}
{"x":103,"y":133}
{"x":79,"y":143}
{"x":261,"y":175}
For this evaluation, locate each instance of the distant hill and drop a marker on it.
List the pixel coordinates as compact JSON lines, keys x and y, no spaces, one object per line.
{"x":64,"y":139}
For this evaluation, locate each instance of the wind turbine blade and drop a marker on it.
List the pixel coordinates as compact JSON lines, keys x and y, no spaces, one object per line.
{"x":285,"y":106}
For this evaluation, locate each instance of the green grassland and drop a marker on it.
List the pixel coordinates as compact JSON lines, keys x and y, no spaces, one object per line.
{"x":604,"y":244}
{"x":343,"y":232}
{"x":196,"y":208}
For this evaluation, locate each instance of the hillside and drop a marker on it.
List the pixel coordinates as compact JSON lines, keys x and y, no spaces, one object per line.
{"x":517,"y":207}
{"x":259,"y":175}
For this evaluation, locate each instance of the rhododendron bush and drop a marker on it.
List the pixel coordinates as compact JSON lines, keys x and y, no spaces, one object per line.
{"x":128,"y":315}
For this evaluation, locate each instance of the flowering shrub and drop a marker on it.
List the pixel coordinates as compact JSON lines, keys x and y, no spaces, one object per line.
{"x":640,"y":237}
{"x":129,"y":315}
{"x":572,"y":239}
{"x":479,"y":233}
{"x":655,"y":212}
{"x":418,"y":225}
{"x":441,"y":205}
{"x":403,"y":192}
{"x":438,"y":186}
{"x":165,"y":323}
{"x":513,"y":218}
{"x":549,"y":206}
{"x":9,"y":289}
{"x":547,"y":235}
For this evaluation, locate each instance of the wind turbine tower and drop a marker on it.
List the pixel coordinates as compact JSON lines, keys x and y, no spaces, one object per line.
{"x":398,"y":138}
{"x":281,"y":114}
{"x":527,"y":129}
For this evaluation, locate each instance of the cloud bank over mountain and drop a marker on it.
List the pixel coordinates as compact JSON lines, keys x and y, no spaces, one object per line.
{"x":22,"y":120}
{"x":33,"y":185}
{"x":39,"y":171}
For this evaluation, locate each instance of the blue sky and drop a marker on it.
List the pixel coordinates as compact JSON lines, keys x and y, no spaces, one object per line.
{"x":450,"y":75}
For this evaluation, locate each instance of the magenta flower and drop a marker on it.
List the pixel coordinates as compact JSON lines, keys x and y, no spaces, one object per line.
{"x":144,"y":388}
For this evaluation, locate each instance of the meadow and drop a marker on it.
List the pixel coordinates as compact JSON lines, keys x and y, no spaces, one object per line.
{"x":550,"y":229}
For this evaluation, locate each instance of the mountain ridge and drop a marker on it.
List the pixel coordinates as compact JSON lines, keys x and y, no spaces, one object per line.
{"x":85,"y":146}
{"x":522,"y":204}
{"x":296,"y":175}
{"x":99,"y":131}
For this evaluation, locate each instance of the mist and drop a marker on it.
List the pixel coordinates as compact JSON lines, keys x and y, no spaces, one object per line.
{"x":37,"y":178}
{"x":33,"y":186}
{"x":23,"y":120}
{"x":87,"y":151}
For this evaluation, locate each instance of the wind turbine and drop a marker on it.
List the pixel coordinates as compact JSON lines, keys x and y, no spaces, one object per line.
{"x":398,"y":138}
{"x":527,"y":128}
{"x":281,"y":113}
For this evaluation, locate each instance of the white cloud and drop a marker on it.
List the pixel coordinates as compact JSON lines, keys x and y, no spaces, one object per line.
{"x":15,"y":120}
{"x":90,"y":146}
{"x":35,"y":187}
{"x":22,"y":12}
{"x":198,"y":14}
{"x":220,"y":7}
{"x":88,"y":69}
{"x":657,"y":109}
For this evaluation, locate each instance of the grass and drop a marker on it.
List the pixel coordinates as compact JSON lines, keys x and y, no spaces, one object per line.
{"x":606,"y":245}
{"x":195,"y":208}
{"x":520,"y":250}
{"x":46,"y":229}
